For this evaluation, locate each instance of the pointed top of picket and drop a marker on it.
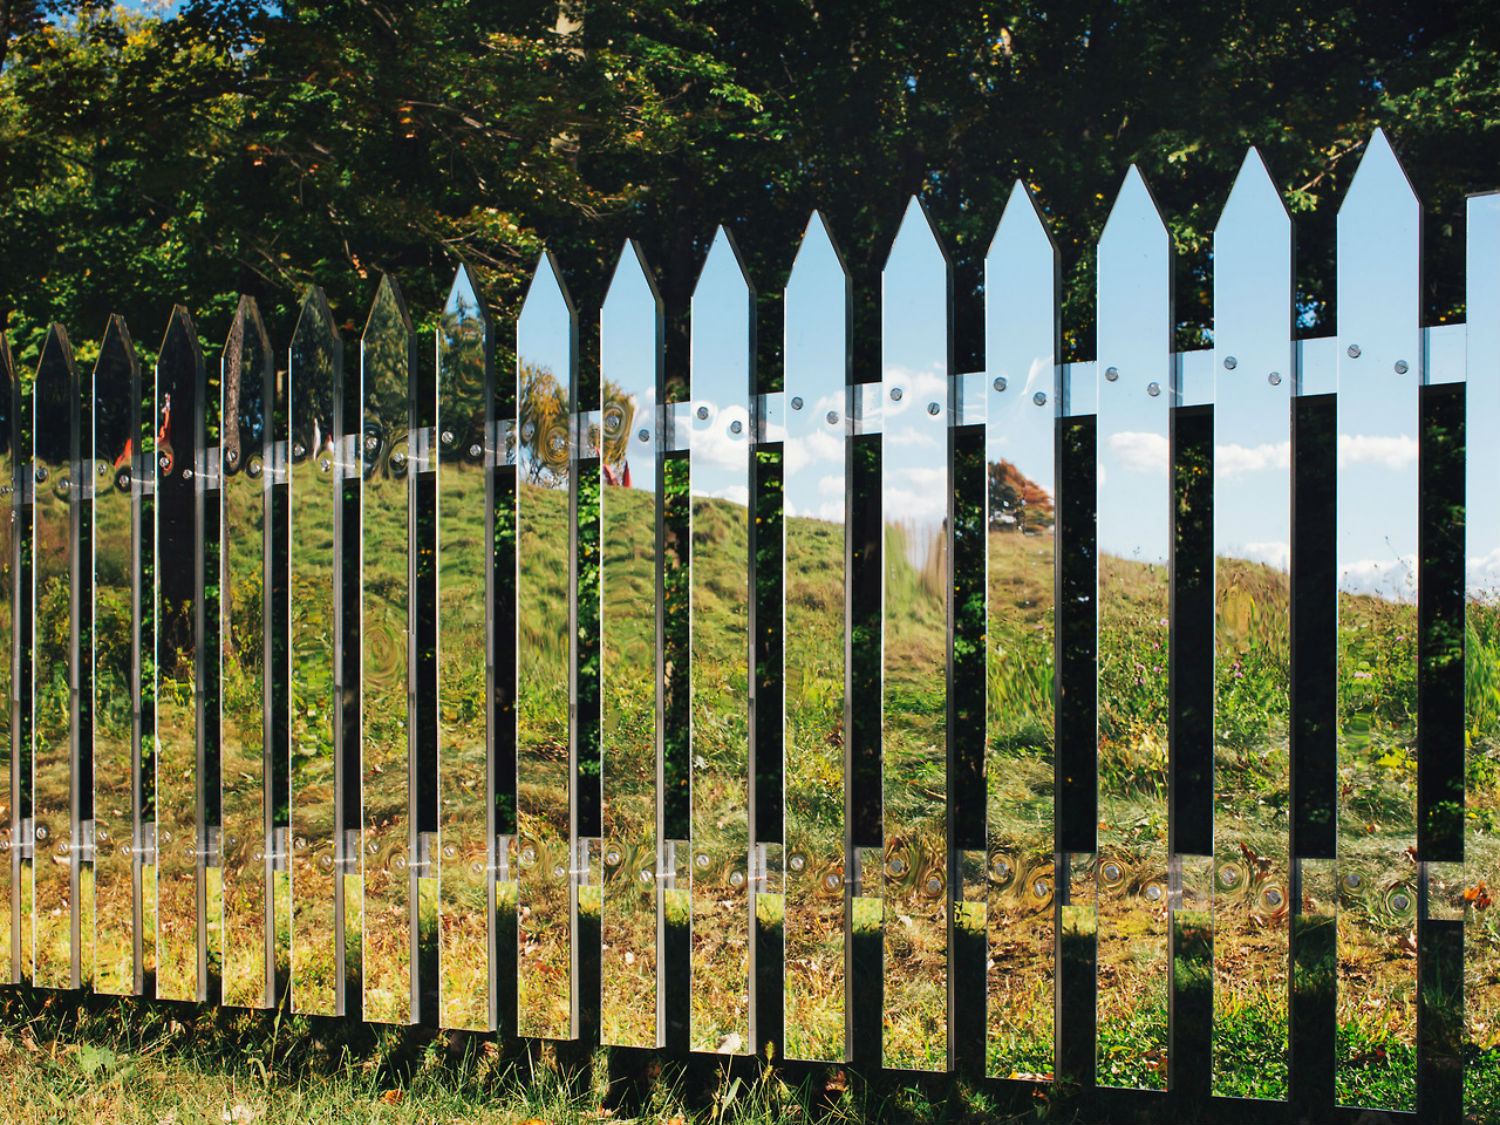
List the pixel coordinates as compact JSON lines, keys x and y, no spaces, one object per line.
{"x":630,"y":272}
{"x":116,"y":349}
{"x":1134,"y":215}
{"x":1254,"y":202}
{"x":818,"y":248}
{"x":56,"y":359}
{"x":465,"y":301}
{"x":1021,"y":230}
{"x":723,"y":268}
{"x":182,"y":338}
{"x":1380,"y":185}
{"x":916,"y":239}
{"x":247,"y":330}
{"x":387,"y":306}
{"x":313,"y":318}
{"x":547,"y":285}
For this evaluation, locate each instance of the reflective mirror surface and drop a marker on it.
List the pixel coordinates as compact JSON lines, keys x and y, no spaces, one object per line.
{"x":1482,"y":631}
{"x":10,"y":653}
{"x":388,"y":693}
{"x":1252,"y":648}
{"x":180,"y":835}
{"x":815,"y":645}
{"x":1380,"y":366}
{"x":916,"y":507}
{"x":465,"y":504}
{"x":1134,"y":497}
{"x":630,"y":348}
{"x":117,"y":665}
{"x":719,"y":469}
{"x":1021,"y":353}
{"x":244,"y":692}
{"x":546,"y":750}
{"x":56,"y":667}
{"x":316,"y":390}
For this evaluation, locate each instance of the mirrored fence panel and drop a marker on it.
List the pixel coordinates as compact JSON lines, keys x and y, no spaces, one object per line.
{"x":546,"y":696}
{"x":316,"y":377}
{"x":245,"y":616}
{"x":1253,"y":371}
{"x":11,"y":461}
{"x":206,"y":606}
{"x":1380,"y":365}
{"x":466,"y":586}
{"x":1136,"y":392}
{"x":815,"y":646}
{"x":181,"y":836}
{"x":723,"y":351}
{"x":1481,"y":871}
{"x":630,"y":351}
{"x":916,"y":510}
{"x":389,"y":705}
{"x":1023,"y":402}
{"x":56,"y":669}
{"x":116,"y":612}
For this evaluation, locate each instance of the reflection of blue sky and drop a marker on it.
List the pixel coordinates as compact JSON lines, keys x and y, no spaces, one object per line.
{"x":721,"y":312}
{"x":1482,"y":519}
{"x":629,"y":353}
{"x":915,"y":360}
{"x":1135,"y":320}
{"x":1252,"y":332}
{"x":1021,"y":342}
{"x":816,"y":360}
{"x":1379,"y":303}
{"x":544,"y":339}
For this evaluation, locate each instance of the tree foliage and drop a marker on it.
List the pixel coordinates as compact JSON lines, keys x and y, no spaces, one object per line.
{"x":243,"y":148}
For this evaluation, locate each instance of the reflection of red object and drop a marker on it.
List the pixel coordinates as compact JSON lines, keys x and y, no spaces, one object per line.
{"x":123,"y":459}
{"x":163,"y":435}
{"x":621,"y":478}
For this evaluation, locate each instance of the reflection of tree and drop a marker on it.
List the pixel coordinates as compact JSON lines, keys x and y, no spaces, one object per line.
{"x":619,"y":421}
{"x":543,"y":427}
{"x":1016,"y":502}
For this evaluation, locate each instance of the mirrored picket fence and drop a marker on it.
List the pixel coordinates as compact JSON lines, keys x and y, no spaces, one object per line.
{"x":1134,"y":722}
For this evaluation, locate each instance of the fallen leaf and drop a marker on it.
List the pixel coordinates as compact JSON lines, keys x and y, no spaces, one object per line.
{"x":391,"y":1097}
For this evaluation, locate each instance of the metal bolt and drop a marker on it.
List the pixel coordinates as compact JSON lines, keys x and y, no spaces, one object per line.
{"x":254,"y":469}
{"x":736,"y":879}
{"x":187,"y":474}
{"x":1153,"y":389}
{"x":832,"y":417}
{"x":934,"y":409}
{"x":1401,"y":368}
{"x":164,"y":462}
{"x":895,"y":394}
{"x":41,"y":473}
{"x":1040,"y":398}
{"x":232,"y":456}
{"x":1353,"y":351}
{"x":398,"y":459}
{"x":324,"y":465}
{"x":703,"y":414}
{"x":643,"y":435}
{"x":736,"y":426}
{"x":103,"y":469}
{"x":1112,"y":373}
{"x":299,"y":450}
{"x":796,"y":402}
{"x":372,"y":443}
{"x":447,"y":437}
{"x":41,"y":831}
{"x":999,"y":382}
{"x":796,"y":863}
{"x":1274,"y":378}
{"x":1230,"y":363}
{"x":476,"y":449}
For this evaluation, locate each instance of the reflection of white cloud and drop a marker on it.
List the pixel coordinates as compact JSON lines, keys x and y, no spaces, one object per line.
{"x":1141,"y":452}
{"x":1278,"y":555}
{"x":736,"y":493}
{"x":1393,"y":579}
{"x":930,"y":477}
{"x":1482,"y":576}
{"x":1232,"y":460}
{"x":1377,"y":449}
{"x":713,"y":445}
{"x":910,"y":437}
{"x":818,"y":446}
{"x":831,"y":485}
